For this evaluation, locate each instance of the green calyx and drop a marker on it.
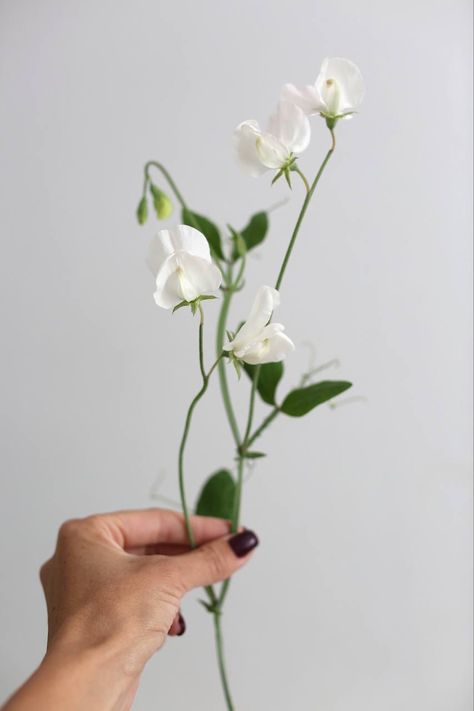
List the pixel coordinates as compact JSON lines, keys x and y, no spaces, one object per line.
{"x":194,"y":305}
{"x":285,"y":170}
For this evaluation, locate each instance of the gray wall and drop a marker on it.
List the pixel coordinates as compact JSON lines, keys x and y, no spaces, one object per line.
{"x":359,"y":597}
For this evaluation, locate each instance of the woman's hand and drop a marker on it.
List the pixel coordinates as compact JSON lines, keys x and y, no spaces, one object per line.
{"x":113,"y":590}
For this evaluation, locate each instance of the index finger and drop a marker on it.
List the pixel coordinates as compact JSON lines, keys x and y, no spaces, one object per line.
{"x":145,"y":527}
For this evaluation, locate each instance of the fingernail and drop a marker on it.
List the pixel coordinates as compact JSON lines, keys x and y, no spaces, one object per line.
{"x":182,"y":625}
{"x":244,"y":542}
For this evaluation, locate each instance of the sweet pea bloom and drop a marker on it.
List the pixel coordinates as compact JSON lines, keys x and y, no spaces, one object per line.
{"x":181,"y":261}
{"x":287,"y":136}
{"x":259,"y":341}
{"x":337,"y":92}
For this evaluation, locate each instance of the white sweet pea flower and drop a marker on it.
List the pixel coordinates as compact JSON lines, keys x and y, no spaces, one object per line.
{"x":180,"y":259}
{"x":337,"y":92}
{"x":259,"y":341}
{"x":287,"y":136}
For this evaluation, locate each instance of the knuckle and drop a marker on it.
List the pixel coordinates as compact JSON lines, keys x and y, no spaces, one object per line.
{"x":69,"y":528}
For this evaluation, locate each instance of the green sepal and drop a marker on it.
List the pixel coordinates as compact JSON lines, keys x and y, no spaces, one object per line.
{"x":180,"y":305}
{"x":142,"y":211}
{"x":268,"y":379}
{"x":302,"y":400}
{"x":194,"y":304}
{"x":253,"y":455}
{"x":277,"y":177}
{"x":208,"y":228}
{"x":217,"y":496}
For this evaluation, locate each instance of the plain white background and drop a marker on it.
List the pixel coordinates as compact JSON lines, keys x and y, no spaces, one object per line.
{"x":359,"y":596}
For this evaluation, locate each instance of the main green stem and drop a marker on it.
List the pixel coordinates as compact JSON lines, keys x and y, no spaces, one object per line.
{"x":214,"y":607}
{"x":221,"y":660}
{"x":230,"y":287}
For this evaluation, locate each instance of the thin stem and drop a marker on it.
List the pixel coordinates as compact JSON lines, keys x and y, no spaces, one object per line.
{"x":201,"y":342}
{"x":168,"y":178}
{"x":251,"y":408}
{"x":303,"y":177}
{"x":234,"y":520}
{"x":221,"y":661}
{"x":267,"y":421}
{"x":221,"y":327}
{"x":302,"y":213}
{"x":182,"y":447}
{"x":177,"y":193}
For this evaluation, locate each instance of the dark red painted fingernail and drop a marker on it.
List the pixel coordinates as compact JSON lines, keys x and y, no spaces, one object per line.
{"x":244,"y":542}
{"x":182,"y":625}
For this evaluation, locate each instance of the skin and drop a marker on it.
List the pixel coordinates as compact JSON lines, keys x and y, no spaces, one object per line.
{"x":113,"y":590}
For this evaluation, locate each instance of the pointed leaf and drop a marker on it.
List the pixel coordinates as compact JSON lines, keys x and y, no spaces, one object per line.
{"x":270,"y":376}
{"x":303,"y":400}
{"x":217,"y":496}
{"x":254,"y":232}
{"x":208,"y":228}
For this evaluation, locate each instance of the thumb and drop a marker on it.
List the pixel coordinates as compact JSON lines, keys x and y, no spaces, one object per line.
{"x":214,"y":561}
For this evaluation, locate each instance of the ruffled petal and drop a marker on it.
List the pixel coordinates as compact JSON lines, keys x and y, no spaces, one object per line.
{"x":290,"y":125}
{"x":200,"y":276}
{"x":184,"y":277}
{"x":271,"y":151}
{"x":269,"y":350}
{"x":158,"y":251}
{"x":245,"y":143}
{"x":266,"y":300}
{"x":307,"y":98}
{"x":341,"y":85}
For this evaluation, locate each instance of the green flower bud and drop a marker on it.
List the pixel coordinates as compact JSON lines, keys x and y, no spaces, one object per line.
{"x":161,"y":202}
{"x":142,"y":211}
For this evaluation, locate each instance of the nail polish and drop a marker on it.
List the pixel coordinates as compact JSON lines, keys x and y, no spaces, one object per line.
{"x":244,"y":542}
{"x":182,"y":625}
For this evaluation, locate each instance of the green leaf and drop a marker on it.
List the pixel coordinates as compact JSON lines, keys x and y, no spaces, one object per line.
{"x":254,"y":455}
{"x":254,"y":233}
{"x":270,"y":376}
{"x":303,"y":400}
{"x":208,"y":228}
{"x":142,"y":211}
{"x":217,"y":496}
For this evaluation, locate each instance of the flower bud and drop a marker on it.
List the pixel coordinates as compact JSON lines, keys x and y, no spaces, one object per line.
{"x":161,"y":202}
{"x":142,"y":211}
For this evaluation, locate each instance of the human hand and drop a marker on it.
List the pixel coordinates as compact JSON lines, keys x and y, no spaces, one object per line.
{"x":113,"y":589}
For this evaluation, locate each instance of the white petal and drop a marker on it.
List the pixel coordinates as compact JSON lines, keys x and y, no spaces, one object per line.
{"x":245,"y":142}
{"x":307,"y":98}
{"x":203,"y":276}
{"x":184,"y":277}
{"x":266,"y":300}
{"x":349,"y":84}
{"x":278,"y":348}
{"x":270,"y":350}
{"x":158,"y":251}
{"x":167,"y":292}
{"x":271,"y":152}
{"x":183,"y":237}
{"x":291,"y":127}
